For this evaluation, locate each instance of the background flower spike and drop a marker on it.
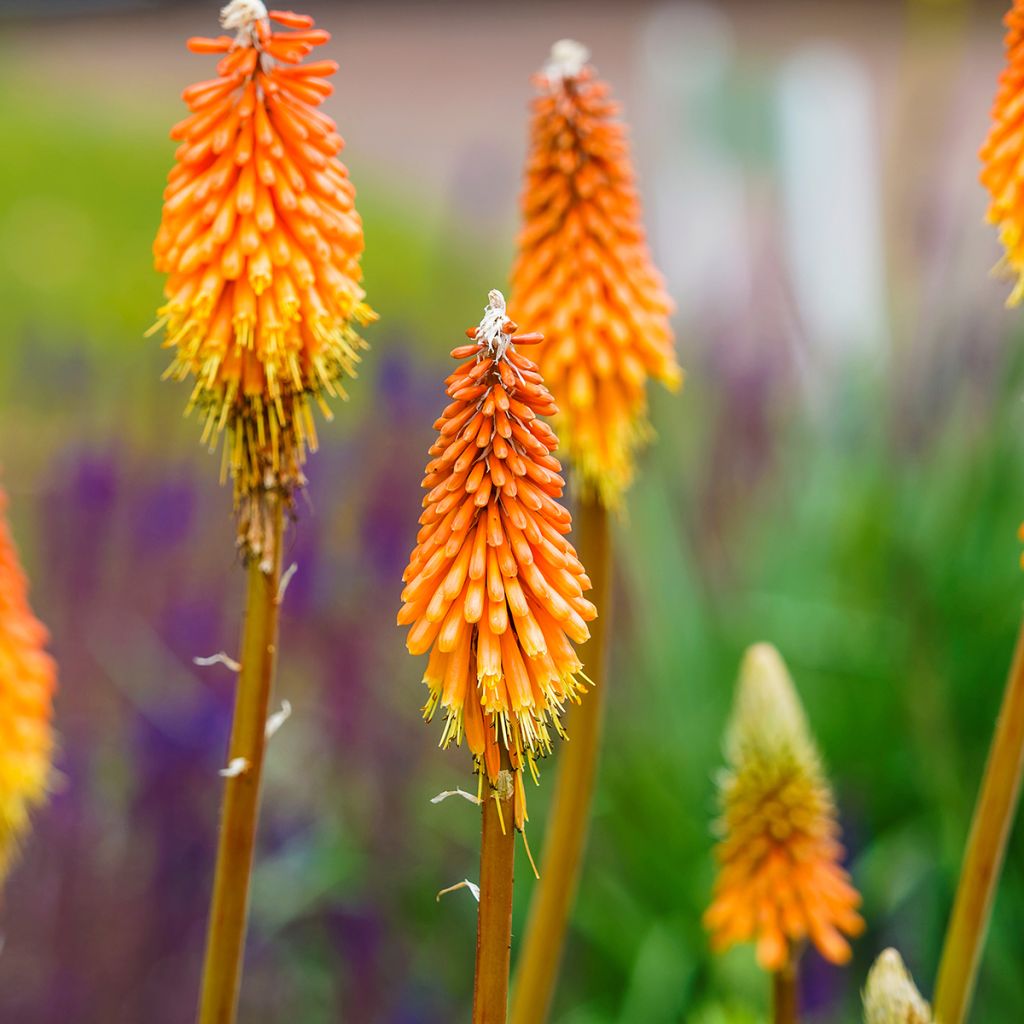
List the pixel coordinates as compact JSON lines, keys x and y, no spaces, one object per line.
{"x":584,"y":275}
{"x":28,"y":678}
{"x":261,"y":244}
{"x":780,"y":879}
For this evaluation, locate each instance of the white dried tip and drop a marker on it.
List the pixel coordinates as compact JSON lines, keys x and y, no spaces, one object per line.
{"x":242,"y":15}
{"x":441,"y":797}
{"x":568,"y":58}
{"x":220,"y":658}
{"x":277,"y":719}
{"x":489,"y":333}
{"x":237,"y":766}
{"x":890,"y":995}
{"x":464,"y":884}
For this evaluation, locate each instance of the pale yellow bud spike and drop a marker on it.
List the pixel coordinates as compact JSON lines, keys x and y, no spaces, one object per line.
{"x":768,"y":722}
{"x":890,"y":995}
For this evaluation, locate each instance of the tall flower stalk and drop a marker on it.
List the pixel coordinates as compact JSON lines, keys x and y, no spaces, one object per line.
{"x":584,"y":276}
{"x":780,"y":881}
{"x":261,"y":243}
{"x":999,"y":795}
{"x":495,"y":594}
{"x":28,"y":677}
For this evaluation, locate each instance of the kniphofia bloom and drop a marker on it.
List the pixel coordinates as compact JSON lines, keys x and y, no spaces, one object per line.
{"x":780,"y":877}
{"x":1003,"y":152}
{"x":494,"y":590}
{"x":27,"y":682}
{"x":584,"y":275}
{"x":261,"y":243}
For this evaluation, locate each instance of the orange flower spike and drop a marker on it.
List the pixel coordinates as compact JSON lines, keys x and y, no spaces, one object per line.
{"x":1002,"y":153}
{"x":261,"y":244}
{"x":27,"y":682}
{"x":584,"y":275}
{"x":780,"y":880}
{"x":494,"y":590}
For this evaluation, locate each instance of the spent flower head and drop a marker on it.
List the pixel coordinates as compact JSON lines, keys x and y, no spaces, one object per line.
{"x":27,"y":682}
{"x":261,"y":243}
{"x":584,"y":275}
{"x":494,"y":590}
{"x":780,"y":879}
{"x":890,"y":995}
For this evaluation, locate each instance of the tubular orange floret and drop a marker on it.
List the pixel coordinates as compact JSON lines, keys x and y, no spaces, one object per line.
{"x":27,"y":682}
{"x":780,"y":878}
{"x":494,"y":590}
{"x":261,"y":243}
{"x":584,"y":275}
{"x":1002,"y":152}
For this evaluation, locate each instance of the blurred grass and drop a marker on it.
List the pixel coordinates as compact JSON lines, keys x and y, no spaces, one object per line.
{"x":883,"y":568}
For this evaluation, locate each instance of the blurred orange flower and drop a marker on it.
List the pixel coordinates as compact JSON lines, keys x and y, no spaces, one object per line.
{"x":27,"y":682}
{"x":584,"y":275}
{"x":261,"y":243}
{"x":780,"y":879}
{"x":494,"y":590}
{"x":1003,"y":151}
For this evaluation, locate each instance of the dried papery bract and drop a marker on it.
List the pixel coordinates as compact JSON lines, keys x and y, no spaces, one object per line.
{"x":261,"y":244}
{"x":890,"y":995}
{"x":495,"y":593}
{"x":494,"y":590}
{"x":1002,"y":155}
{"x":780,"y":878}
{"x":584,"y":276}
{"x":27,"y":682}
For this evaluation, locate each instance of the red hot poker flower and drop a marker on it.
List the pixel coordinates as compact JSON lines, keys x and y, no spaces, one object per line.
{"x":261,"y":244}
{"x":27,"y":681}
{"x":494,"y":590}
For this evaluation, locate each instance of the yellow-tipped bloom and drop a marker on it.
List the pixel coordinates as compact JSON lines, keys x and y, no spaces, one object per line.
{"x":1003,"y":152}
{"x":27,"y":681}
{"x":780,"y":879}
{"x":494,"y":590}
{"x":584,"y":275}
{"x":890,"y":995}
{"x":261,"y":243}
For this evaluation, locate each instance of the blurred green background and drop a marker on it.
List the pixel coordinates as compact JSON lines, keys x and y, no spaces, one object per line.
{"x":843,"y":476}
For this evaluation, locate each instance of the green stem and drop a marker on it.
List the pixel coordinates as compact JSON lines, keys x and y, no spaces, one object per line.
{"x":986,"y":850}
{"x":569,"y":817}
{"x":229,"y":907}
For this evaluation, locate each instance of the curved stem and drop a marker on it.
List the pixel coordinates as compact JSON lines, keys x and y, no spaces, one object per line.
{"x":229,"y":907}
{"x":569,"y":817}
{"x":986,"y":850}
{"x":784,"y":993}
{"x":494,"y":921}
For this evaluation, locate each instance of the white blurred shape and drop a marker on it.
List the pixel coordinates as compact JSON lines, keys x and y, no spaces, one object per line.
{"x":696,"y":211}
{"x":829,"y":168}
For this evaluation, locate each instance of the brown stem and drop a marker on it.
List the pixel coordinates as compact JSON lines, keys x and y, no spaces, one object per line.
{"x":784,"y":993}
{"x":229,"y":907}
{"x":986,"y":850}
{"x":569,"y":817}
{"x":494,"y":922}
